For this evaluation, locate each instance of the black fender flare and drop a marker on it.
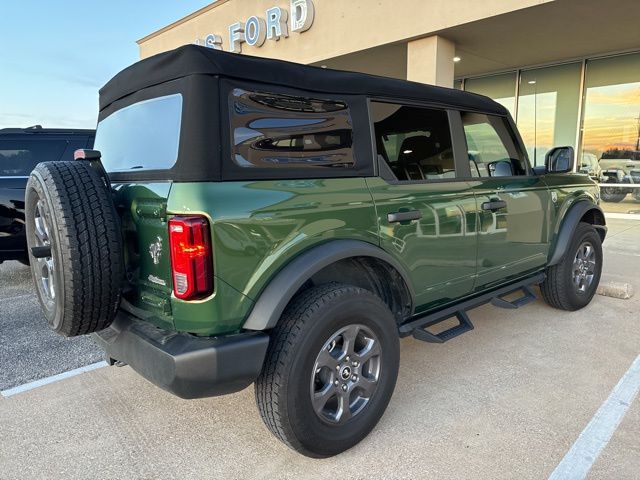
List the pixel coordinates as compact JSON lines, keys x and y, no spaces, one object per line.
{"x":276,"y":296}
{"x":570,"y":222}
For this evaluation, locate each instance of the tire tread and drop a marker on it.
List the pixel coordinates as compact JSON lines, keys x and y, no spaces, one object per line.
{"x":271,"y":384}
{"x":90,"y":244}
{"x":555,"y":288}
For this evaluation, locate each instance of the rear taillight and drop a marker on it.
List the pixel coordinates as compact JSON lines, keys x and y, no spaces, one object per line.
{"x":191,"y":257}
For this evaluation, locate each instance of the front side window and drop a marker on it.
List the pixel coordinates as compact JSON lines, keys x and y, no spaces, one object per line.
{"x":415,"y":142}
{"x":273,"y":131}
{"x":19,"y":157}
{"x":142,"y":136}
{"x":491,"y":148}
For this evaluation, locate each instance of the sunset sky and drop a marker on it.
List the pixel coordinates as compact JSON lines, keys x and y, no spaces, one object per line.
{"x":611,"y":117}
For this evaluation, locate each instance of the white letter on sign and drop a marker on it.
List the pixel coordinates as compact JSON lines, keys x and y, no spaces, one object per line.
{"x":213,"y":41}
{"x":277,"y":23}
{"x":302,"y":15}
{"x":255,"y":31}
{"x":236,"y":37}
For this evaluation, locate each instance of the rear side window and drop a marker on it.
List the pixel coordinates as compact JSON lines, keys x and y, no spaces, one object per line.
{"x":415,"y":142}
{"x":142,"y":136}
{"x":491,"y":148}
{"x":19,"y":157}
{"x":276,"y":131}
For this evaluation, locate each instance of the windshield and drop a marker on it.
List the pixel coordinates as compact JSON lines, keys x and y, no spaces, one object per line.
{"x":142,"y":136}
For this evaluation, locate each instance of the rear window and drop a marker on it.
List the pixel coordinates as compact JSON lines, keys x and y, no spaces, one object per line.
{"x":19,"y":157}
{"x":142,"y":136}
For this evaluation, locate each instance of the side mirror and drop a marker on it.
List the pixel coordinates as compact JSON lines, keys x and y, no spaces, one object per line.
{"x":559,"y":160}
{"x":500,"y":168}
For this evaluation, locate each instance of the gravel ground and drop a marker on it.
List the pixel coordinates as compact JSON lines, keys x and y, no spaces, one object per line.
{"x":28,"y":349}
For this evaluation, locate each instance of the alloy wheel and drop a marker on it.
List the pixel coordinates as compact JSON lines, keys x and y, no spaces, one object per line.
{"x":345,"y":374}
{"x":584,"y":268}
{"x":44,"y":270}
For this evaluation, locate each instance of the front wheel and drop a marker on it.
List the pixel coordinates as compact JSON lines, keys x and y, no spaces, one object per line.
{"x":572,"y":283}
{"x":330,"y":370}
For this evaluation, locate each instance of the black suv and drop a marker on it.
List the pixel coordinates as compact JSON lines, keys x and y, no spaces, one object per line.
{"x":21,"y":149}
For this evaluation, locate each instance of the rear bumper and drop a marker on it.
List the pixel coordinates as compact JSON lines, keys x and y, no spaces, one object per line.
{"x":185,"y":365}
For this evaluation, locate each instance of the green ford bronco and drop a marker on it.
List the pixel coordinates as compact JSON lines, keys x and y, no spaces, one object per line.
{"x":245,"y":220}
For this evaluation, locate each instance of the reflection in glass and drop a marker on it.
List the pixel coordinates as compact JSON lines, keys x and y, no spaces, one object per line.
{"x":142,"y":136}
{"x":274,"y":130}
{"x":611,"y":125}
{"x":491,"y":149}
{"x":548,"y":108}
{"x":19,"y":157}
{"x":501,"y":88}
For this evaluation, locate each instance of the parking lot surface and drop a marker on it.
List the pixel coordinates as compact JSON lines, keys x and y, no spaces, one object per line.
{"x":29,"y":350}
{"x":627,"y":205}
{"x":507,"y":400}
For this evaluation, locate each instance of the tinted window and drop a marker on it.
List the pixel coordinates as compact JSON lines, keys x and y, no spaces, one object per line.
{"x":415,"y":142}
{"x":142,"y":136}
{"x":274,"y":131}
{"x":19,"y":157}
{"x":492,"y":151}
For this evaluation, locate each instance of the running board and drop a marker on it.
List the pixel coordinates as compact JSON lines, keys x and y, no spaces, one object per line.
{"x":417,"y":326}
{"x":527,"y":297}
{"x":463,"y":326}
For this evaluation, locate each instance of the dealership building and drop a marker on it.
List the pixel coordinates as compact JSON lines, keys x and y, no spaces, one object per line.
{"x":567,"y":70}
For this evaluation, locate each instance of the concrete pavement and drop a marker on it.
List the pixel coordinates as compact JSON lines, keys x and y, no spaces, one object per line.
{"x":506,"y":400}
{"x":29,"y":350}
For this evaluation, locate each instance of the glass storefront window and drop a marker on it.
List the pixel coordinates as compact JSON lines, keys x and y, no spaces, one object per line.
{"x":548,"y":106}
{"x":502,"y":88}
{"x":611,"y":127}
{"x":548,"y":100}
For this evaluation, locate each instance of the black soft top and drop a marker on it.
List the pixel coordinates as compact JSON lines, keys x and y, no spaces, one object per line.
{"x":195,"y":60}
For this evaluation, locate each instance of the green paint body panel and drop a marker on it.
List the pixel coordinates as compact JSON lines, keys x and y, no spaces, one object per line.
{"x":455,"y":250}
{"x":515,"y":239}
{"x":569,"y":189}
{"x":439,"y":250}
{"x":143,"y":212}
{"x":259,"y":227}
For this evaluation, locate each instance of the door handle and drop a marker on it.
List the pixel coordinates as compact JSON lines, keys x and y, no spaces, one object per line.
{"x":404,"y":216}
{"x":494,"y":205}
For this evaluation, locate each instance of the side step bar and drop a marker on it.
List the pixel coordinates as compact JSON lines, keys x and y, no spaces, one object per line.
{"x":463,"y":326}
{"x":417,"y":326}
{"x":527,"y":297}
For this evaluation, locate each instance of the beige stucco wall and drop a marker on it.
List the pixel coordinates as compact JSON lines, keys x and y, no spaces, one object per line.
{"x":430,"y":60}
{"x":340,"y":27}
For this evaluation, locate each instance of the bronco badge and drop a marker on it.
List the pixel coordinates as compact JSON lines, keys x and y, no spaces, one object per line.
{"x":155,"y":250}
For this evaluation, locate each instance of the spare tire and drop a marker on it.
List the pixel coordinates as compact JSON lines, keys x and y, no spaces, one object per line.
{"x":75,"y":246}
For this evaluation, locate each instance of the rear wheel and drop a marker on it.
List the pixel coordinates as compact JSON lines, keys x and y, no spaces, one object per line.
{"x":330,"y":370}
{"x":75,"y":246}
{"x":572,"y":283}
